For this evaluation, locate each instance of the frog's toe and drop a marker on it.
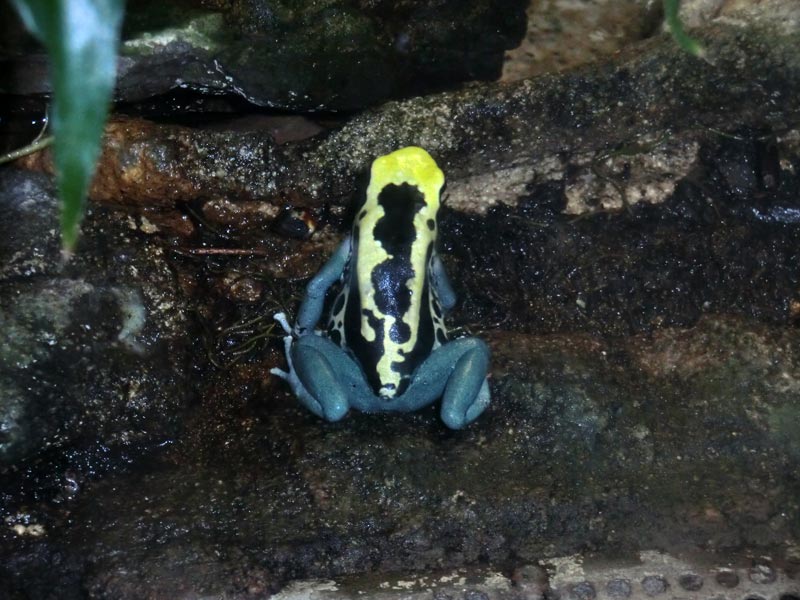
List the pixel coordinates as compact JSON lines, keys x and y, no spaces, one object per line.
{"x":480,"y":404}
{"x":285,"y":375}
{"x":320,"y":381}
{"x":334,"y":407}
{"x":454,"y":414}
{"x":280,"y":317}
{"x":467,"y":393}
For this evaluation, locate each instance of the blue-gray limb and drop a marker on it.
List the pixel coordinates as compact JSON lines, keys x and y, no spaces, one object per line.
{"x":328,"y":381}
{"x":444,"y":290}
{"x":314,"y":300}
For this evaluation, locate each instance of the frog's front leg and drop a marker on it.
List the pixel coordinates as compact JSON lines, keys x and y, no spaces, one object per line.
{"x":456,"y":372}
{"x":311,"y":368}
{"x":314,"y":299}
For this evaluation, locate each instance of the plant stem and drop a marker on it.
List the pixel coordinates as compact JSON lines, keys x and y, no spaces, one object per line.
{"x":26,"y":150}
{"x":688,"y":43}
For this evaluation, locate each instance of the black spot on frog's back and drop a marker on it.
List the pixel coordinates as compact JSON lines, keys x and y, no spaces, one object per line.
{"x":396,"y":234}
{"x":395,"y":229}
{"x":400,"y":332}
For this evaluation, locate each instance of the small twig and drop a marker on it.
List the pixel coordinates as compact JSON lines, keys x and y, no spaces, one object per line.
{"x":45,"y":124}
{"x":221,"y":251}
{"x":250,"y":343}
{"x":26,"y":150}
{"x":204,"y":222}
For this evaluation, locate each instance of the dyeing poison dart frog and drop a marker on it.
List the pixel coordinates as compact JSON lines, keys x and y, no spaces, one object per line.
{"x":385,"y":347}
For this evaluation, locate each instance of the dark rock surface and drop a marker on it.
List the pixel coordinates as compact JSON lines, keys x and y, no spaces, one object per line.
{"x":93,"y":351}
{"x":625,"y":239}
{"x":593,"y":129}
{"x":301,"y":55}
{"x":589,"y":444}
{"x":726,"y":240}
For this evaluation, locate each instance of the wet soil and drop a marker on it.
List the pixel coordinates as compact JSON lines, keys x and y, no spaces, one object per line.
{"x":645,"y":382}
{"x":646,"y":360}
{"x":726,"y":241}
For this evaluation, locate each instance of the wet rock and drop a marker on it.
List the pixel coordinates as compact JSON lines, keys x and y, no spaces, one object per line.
{"x":691,"y":582}
{"x":94,"y":349}
{"x":654,"y":585}
{"x":564,"y":35}
{"x":703,"y":250}
{"x":304,"y":55}
{"x":647,"y":171}
{"x":695,"y":13}
{"x":239,"y":216}
{"x":531,"y":582}
{"x":619,"y":588}
{"x":583,"y":590}
{"x":497,"y":141}
{"x":154,"y":165}
{"x":727,"y":578}
{"x":302,"y":498}
{"x":678,"y":428}
{"x":762,"y":573}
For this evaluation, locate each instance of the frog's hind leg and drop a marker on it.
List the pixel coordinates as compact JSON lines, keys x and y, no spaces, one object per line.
{"x":455,"y":372}
{"x":291,"y":377}
{"x":323,"y":377}
{"x":467,"y":393}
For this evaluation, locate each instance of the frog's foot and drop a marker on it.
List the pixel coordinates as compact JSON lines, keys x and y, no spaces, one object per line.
{"x":287,"y":348}
{"x":466,"y":394}
{"x":323,"y":377}
{"x":459,"y":411}
{"x":456,"y":373}
{"x":291,"y":377}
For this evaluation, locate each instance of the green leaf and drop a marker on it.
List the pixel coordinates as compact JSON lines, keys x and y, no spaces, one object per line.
{"x":81,"y":38}
{"x":689,"y":44}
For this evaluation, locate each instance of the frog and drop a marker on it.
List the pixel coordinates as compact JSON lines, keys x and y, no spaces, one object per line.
{"x":384,"y":346}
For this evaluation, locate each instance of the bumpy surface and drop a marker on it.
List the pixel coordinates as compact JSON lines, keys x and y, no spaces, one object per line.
{"x":637,"y":281}
{"x":93,"y":352}
{"x":292,"y":54}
